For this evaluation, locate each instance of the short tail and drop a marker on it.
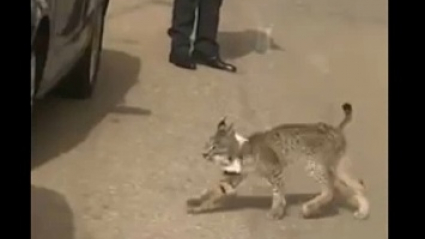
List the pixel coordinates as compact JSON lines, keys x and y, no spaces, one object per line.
{"x":348,"y":111}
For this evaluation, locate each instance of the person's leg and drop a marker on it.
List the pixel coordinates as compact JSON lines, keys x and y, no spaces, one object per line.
{"x":182,"y":25}
{"x":206,"y":48}
{"x":207,"y":27}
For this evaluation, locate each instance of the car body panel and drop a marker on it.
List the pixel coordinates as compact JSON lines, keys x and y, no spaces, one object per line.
{"x":70,"y":30}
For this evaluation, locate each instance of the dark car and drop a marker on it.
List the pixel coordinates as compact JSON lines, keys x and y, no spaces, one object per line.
{"x":66,"y":43}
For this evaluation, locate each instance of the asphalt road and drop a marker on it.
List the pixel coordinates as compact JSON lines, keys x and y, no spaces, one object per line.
{"x":122,"y":165}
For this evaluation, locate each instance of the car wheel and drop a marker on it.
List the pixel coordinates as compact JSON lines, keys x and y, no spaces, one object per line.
{"x":33,"y":76}
{"x":82,"y":79}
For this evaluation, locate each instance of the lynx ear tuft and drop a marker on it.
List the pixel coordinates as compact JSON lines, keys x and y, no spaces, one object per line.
{"x":222,"y":125}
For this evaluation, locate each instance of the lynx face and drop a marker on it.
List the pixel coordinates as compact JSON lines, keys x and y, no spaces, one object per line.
{"x":222,"y":148}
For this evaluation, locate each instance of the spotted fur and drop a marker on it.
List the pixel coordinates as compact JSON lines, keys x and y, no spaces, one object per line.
{"x":320,"y":146}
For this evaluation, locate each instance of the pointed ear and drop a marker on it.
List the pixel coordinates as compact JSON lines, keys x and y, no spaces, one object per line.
{"x":222,"y":124}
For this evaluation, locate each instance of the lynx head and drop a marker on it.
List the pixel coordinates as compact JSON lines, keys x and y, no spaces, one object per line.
{"x":223,"y":147}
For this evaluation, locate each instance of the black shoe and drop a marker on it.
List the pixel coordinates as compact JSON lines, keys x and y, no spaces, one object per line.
{"x":213,"y":61}
{"x":183,"y":62}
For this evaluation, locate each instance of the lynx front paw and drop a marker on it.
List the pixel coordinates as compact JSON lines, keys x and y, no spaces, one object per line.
{"x":276,"y":213}
{"x":193,"y":202}
{"x":193,"y":205}
{"x":193,"y":210}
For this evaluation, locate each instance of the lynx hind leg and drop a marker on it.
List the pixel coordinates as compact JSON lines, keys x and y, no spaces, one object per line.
{"x":209,"y":198}
{"x":324,"y":178}
{"x":351,"y":191}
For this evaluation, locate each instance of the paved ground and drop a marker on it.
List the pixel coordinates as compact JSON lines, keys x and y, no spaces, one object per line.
{"x":120,"y":166}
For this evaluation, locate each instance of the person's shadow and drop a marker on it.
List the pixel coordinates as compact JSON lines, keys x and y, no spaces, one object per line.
{"x":235,"y":45}
{"x":51,"y":215}
{"x":58,"y":124}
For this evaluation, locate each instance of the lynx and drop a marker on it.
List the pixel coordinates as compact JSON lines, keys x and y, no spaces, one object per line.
{"x":322,"y":147}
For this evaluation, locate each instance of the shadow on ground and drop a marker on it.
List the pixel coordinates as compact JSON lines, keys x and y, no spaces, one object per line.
{"x":51,"y":216}
{"x":235,"y":45}
{"x":167,"y":3}
{"x":58,"y":125}
{"x":264,"y":203}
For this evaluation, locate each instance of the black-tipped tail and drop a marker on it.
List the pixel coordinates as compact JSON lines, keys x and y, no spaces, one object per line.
{"x":348,"y":111}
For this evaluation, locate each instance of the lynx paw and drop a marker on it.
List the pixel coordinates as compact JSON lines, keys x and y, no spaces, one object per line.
{"x":308,"y":211}
{"x":193,"y":205}
{"x":193,"y":202}
{"x":193,"y":210}
{"x":360,"y":215}
{"x":276,"y":213}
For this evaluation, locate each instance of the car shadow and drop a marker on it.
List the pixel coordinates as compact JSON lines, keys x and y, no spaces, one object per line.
{"x":235,"y":45}
{"x":59,"y":124}
{"x":241,"y":202}
{"x":51,"y":215}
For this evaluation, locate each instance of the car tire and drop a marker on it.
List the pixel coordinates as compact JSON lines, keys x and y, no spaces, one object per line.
{"x":33,"y":77}
{"x":37,"y":66}
{"x":81,"y":81}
